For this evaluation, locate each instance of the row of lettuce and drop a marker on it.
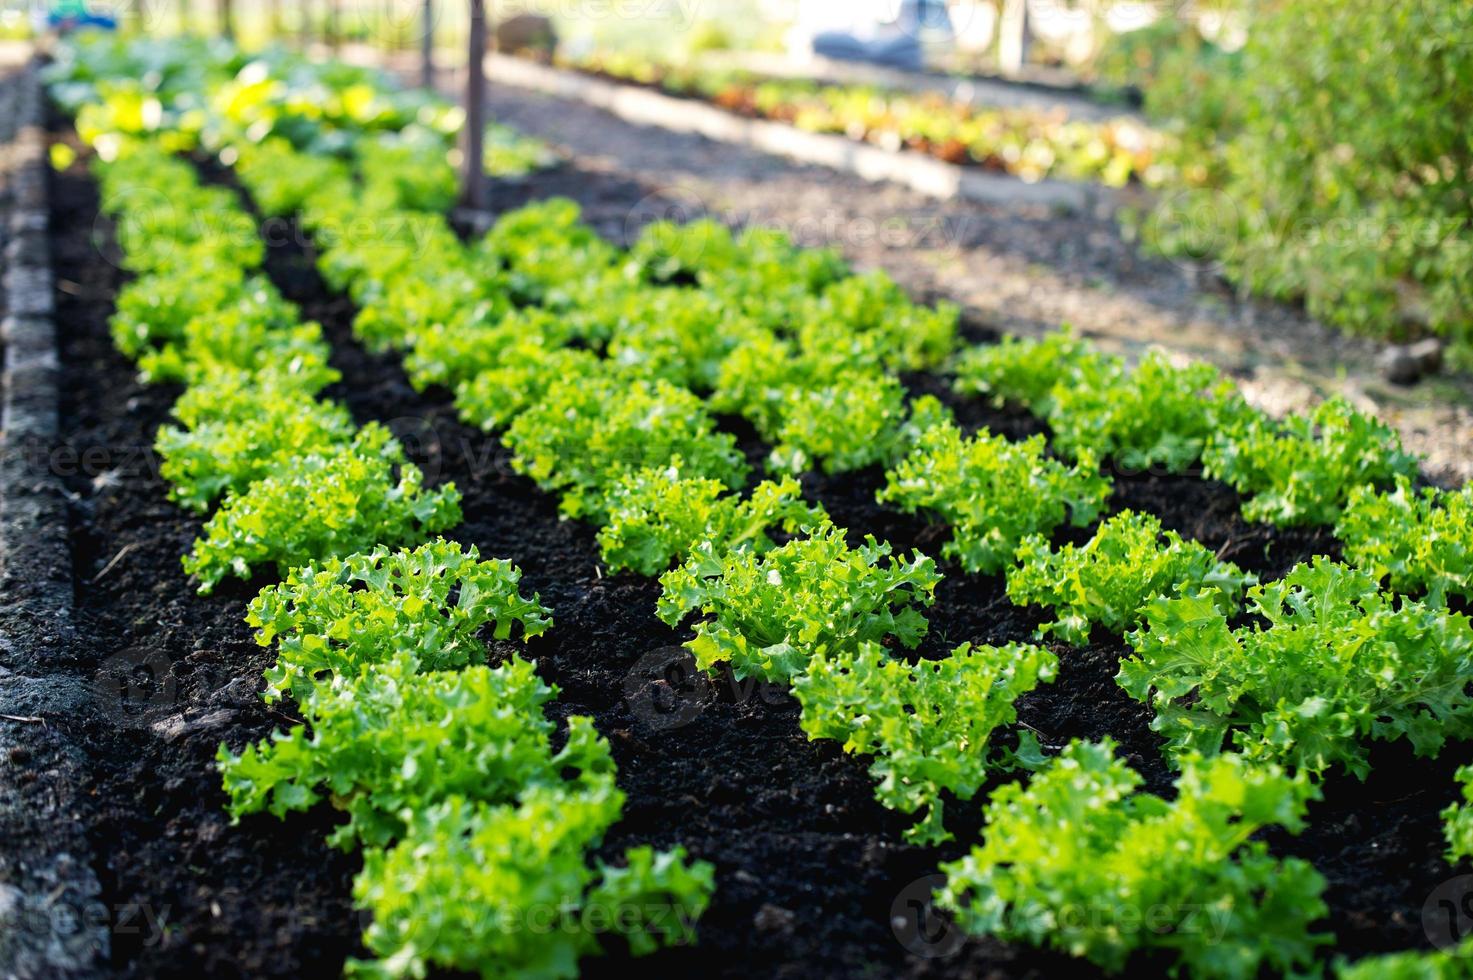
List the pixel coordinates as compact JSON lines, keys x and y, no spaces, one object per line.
{"x":1274,"y":160}
{"x":595,"y":389}
{"x":476,"y":833}
{"x":604,"y":371}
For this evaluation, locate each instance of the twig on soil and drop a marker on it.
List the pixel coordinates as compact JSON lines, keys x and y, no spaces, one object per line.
{"x":115,"y":559}
{"x":21,"y":719}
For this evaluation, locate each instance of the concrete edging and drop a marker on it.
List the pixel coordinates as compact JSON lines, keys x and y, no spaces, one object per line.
{"x":917,"y":171}
{"x":52,"y":921}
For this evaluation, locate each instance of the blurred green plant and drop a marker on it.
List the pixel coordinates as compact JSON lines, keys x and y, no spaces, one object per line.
{"x":1334,"y":164}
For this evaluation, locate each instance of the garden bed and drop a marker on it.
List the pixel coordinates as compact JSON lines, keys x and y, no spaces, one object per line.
{"x":920,"y":171}
{"x":810,"y":869}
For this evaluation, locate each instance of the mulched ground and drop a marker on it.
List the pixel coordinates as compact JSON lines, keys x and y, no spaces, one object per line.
{"x":811,"y":873}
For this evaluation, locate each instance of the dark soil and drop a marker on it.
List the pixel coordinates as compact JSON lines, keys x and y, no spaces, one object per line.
{"x":810,"y":869}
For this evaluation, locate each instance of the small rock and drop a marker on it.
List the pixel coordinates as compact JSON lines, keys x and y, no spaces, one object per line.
{"x":1399,"y":365}
{"x":1405,"y":364}
{"x":1428,"y":354}
{"x":774,"y":918}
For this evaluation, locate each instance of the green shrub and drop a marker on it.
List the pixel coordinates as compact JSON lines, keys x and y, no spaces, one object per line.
{"x":1352,"y":194}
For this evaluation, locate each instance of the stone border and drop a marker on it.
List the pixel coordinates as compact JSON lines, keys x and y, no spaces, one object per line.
{"x":52,"y":922}
{"x":919,"y":172}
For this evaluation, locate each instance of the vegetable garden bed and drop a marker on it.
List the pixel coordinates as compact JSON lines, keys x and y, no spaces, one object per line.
{"x":812,"y":875}
{"x":923,"y":172}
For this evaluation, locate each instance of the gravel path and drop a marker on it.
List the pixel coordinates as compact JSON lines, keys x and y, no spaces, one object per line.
{"x":1019,"y":268}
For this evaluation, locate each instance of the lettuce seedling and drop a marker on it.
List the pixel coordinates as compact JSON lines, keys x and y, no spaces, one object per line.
{"x":928,"y":726}
{"x":1081,"y":861}
{"x":494,"y":397}
{"x":1128,"y":562}
{"x":1338,"y":664}
{"x":1418,"y":540}
{"x":395,"y":739}
{"x":1024,"y":372}
{"x":585,"y":435}
{"x":680,"y":335}
{"x":1303,"y":470}
{"x":506,"y":891}
{"x":1155,"y":415}
{"x":153,"y":310}
{"x":457,"y":348}
{"x":203,"y":463}
{"x":769,"y":615}
{"x":992,"y":492}
{"x":260,"y":331}
{"x":336,"y":503}
{"x":344,"y":615}
{"x":1457,"y":819}
{"x":660,"y":515}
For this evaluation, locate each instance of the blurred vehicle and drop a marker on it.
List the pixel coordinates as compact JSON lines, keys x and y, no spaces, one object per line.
{"x":65,"y":16}
{"x":902,"y":34}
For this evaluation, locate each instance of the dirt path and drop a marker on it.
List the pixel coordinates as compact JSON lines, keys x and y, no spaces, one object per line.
{"x":1019,"y":268}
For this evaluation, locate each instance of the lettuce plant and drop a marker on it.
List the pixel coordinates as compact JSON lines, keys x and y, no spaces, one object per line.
{"x":1436,"y":964}
{"x":1128,"y":562}
{"x":992,"y":492}
{"x":928,"y":726}
{"x":874,"y":310}
{"x":1302,"y":471}
{"x":202,"y":463}
{"x":341,"y":502}
{"x":858,"y":420}
{"x":1337,"y":665}
{"x":492,"y":398}
{"x":454,"y":349}
{"x":394,"y":739}
{"x":1419,"y":540}
{"x":1024,"y":372}
{"x":259,"y":331}
{"x":584,"y":436}
{"x":506,"y":891}
{"x":680,"y":335}
{"x":342,"y":616}
{"x":1157,"y":414}
{"x":1458,"y":819}
{"x":458,"y":299}
{"x":154,"y":309}
{"x":659,"y":515}
{"x":769,"y":615}
{"x":1082,"y":861}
